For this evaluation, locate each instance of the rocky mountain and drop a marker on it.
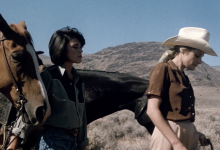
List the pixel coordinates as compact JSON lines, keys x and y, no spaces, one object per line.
{"x":138,"y":59}
{"x":216,"y":67}
{"x":46,"y":60}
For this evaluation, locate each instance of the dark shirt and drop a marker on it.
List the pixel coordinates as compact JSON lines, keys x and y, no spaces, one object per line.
{"x":68,"y":85}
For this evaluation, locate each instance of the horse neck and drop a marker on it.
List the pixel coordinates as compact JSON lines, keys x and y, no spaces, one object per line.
{"x":9,"y":93}
{"x":5,"y":80}
{"x":6,"y":83}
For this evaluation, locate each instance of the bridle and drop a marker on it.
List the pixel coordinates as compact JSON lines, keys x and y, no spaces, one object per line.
{"x":20,"y":99}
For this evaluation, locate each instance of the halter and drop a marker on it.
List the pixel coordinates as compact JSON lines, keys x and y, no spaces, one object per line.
{"x":20,"y":99}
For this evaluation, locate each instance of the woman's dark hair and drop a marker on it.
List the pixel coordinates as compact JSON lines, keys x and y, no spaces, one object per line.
{"x":58,"y":43}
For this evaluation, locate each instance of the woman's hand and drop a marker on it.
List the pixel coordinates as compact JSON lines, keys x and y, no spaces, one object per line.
{"x":202,"y":139}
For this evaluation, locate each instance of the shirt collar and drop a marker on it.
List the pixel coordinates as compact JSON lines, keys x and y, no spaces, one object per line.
{"x":62,"y":70}
{"x":74,"y":72}
{"x":172,"y":65}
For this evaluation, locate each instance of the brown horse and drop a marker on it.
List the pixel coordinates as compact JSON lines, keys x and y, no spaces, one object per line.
{"x":20,"y":79}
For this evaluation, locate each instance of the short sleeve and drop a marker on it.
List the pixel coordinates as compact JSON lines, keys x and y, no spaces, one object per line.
{"x":156,"y":81}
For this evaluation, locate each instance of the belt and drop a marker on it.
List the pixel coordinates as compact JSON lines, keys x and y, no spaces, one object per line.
{"x":69,"y":131}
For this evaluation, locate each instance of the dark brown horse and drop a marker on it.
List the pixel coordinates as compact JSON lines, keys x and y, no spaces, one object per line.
{"x":20,"y":79}
{"x":108,"y":92}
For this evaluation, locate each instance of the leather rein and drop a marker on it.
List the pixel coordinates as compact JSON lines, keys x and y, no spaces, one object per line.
{"x":20,"y":99}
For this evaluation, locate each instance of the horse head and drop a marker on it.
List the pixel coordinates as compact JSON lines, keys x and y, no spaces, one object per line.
{"x":20,"y":79}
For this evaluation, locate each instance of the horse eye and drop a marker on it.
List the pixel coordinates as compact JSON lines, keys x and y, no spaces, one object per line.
{"x":16,"y":57}
{"x":14,"y":45}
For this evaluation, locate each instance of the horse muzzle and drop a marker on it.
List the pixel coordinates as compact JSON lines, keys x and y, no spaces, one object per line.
{"x":35,"y":115}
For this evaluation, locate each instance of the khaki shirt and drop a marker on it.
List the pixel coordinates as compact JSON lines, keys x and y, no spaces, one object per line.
{"x":175,"y":90}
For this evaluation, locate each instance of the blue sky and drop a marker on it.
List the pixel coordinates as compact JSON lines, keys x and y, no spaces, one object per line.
{"x":107,"y":23}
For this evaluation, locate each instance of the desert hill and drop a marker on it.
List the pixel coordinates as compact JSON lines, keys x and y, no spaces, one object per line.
{"x":46,"y":60}
{"x":216,"y":67}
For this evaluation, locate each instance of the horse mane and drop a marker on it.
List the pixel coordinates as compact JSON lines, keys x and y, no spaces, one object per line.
{"x":110,"y":74}
{"x":22,"y":32}
{"x":101,"y":71}
{"x":112,"y":81}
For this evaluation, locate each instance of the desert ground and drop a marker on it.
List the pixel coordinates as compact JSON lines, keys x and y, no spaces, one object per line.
{"x":120,"y":131}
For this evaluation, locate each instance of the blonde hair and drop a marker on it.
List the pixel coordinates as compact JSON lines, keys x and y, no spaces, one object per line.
{"x":172,"y":52}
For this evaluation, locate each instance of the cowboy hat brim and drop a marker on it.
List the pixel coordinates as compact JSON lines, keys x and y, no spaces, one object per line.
{"x":199,"y":44}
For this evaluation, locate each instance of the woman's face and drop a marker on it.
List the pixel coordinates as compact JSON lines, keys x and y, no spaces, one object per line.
{"x":192,"y":58}
{"x":74,"y":51}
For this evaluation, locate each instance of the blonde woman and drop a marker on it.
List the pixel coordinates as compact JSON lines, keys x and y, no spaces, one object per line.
{"x":171,"y":101}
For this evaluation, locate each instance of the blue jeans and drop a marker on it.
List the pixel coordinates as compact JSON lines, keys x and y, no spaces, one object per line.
{"x":53,"y":139}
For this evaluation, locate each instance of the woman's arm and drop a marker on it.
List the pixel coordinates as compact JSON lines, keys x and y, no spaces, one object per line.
{"x":155,"y":115}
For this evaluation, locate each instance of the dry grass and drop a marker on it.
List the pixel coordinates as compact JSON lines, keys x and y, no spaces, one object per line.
{"x":208,"y":122}
{"x":120,"y":131}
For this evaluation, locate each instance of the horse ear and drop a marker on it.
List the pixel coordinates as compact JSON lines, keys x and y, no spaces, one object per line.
{"x":22,"y":23}
{"x":4,"y":27}
{"x":2,"y":21}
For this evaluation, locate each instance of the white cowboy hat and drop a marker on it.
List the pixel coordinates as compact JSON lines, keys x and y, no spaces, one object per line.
{"x":194,"y":37}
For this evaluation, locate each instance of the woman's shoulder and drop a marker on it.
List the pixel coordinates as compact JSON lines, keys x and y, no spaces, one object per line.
{"x":50,"y":71}
{"x":51,"y":68}
{"x":160,"y":65}
{"x":159,"y":69}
